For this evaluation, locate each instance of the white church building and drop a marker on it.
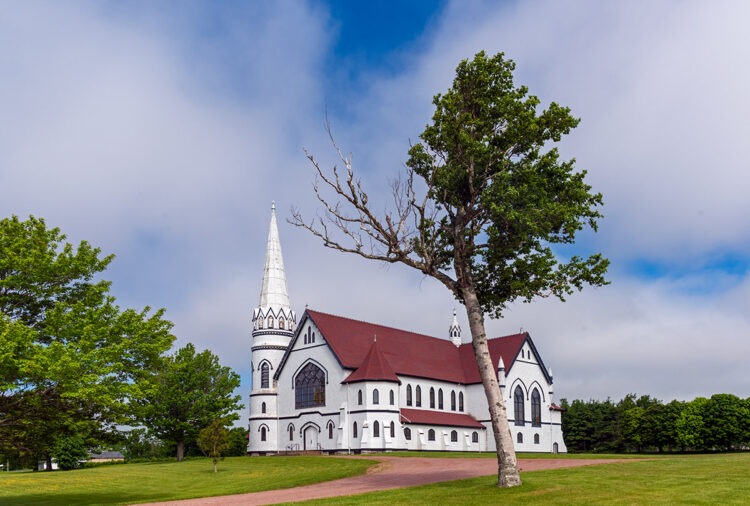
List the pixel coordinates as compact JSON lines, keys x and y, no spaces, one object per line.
{"x":335,"y":384}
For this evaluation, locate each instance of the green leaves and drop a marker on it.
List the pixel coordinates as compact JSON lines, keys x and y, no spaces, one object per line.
{"x":189,"y":392}
{"x":71,"y":361}
{"x":504,"y":196}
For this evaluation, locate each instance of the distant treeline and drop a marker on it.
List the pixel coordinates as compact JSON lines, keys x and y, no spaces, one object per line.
{"x":645,"y":424}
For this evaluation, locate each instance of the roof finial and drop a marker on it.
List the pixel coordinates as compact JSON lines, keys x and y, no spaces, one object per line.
{"x":273,"y":205}
{"x":454,"y":331}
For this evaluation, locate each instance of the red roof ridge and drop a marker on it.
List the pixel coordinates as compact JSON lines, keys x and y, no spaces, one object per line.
{"x":372,"y":324}
{"x":374,"y":367}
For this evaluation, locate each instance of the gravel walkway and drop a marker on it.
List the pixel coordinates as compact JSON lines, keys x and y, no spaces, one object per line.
{"x":390,"y":473}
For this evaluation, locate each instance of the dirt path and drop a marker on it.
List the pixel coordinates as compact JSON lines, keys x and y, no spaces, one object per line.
{"x":392,"y":472}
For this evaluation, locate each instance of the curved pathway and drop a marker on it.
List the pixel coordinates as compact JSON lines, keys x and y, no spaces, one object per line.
{"x":390,"y":473}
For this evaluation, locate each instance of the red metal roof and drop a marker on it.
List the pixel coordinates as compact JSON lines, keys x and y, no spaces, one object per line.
{"x":426,"y":417}
{"x":374,"y":367}
{"x":408,"y":353}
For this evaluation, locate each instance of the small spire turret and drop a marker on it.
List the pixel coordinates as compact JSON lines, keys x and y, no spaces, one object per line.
{"x":454,"y":331}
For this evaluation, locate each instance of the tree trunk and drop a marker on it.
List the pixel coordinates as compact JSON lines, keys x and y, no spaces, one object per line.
{"x":507,"y":466}
{"x":180,"y":450}
{"x":215,"y":459}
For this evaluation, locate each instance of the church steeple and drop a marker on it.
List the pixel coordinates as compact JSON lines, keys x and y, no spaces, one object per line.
{"x":274,"y":311}
{"x":454,"y":331}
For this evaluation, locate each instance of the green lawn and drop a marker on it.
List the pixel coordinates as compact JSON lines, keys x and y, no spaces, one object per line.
{"x":693,"y":479}
{"x":135,"y":483}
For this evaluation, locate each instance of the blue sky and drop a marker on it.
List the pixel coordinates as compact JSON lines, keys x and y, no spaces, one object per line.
{"x":161,"y":132}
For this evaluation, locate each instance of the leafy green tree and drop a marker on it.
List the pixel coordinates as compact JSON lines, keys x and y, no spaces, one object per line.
{"x":69,"y":452}
{"x":238,"y":442}
{"x":690,"y":426}
{"x":215,"y":441}
{"x":72,"y":362}
{"x":490,"y":201}
{"x":187,"y":394}
{"x":723,"y":418}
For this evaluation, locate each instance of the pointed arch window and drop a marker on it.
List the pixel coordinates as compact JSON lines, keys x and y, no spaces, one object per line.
{"x":519,"y":438}
{"x":260,"y":323}
{"x":536,"y":439}
{"x":262,"y":433}
{"x":309,"y":387}
{"x":475,"y":437}
{"x":359,"y":397}
{"x":453,"y":400}
{"x":281,"y":323}
{"x":419,"y":397}
{"x":270,"y":322}
{"x":432,"y":398}
{"x":330,"y":430}
{"x":431,"y":435}
{"x":408,"y":395}
{"x":264,"y":375}
{"x":407,"y":434}
{"x":392,"y":398}
{"x":354,"y":429}
{"x":518,"y":405}
{"x":393,"y":430}
{"x":376,"y":429}
{"x":290,"y":429}
{"x":375,"y":397}
{"x":536,"y":409}
{"x":454,"y":436}
{"x":440,"y":398}
{"x":263,"y":408}
{"x":460,"y":401}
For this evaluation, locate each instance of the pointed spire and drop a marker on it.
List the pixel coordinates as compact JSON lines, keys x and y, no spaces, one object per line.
{"x":454,"y":331}
{"x":273,"y":291}
{"x":274,"y":310}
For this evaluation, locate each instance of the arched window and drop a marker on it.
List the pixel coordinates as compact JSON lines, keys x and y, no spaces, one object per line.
{"x":376,"y":429}
{"x":431,"y":435}
{"x":440,"y":399}
{"x":310,"y":387}
{"x":281,"y":323}
{"x":264,"y":375}
{"x":408,"y":395}
{"x":354,"y":430}
{"x":393,"y":430}
{"x":518,"y":405}
{"x":536,"y":439}
{"x":375,"y":396}
{"x":460,"y":401}
{"x":536,"y":409}
{"x":270,"y":322}
{"x":475,"y":437}
{"x":330,"y":430}
{"x":260,"y":323}
{"x":312,"y":339}
{"x":263,"y":408}
{"x":432,"y":398}
{"x":419,"y":396}
{"x":262,"y":433}
{"x":519,"y":438}
{"x":290,"y":429}
{"x":392,"y":397}
{"x":453,"y":400}
{"x":407,"y":434}
{"x":359,"y":397}
{"x":454,"y":436}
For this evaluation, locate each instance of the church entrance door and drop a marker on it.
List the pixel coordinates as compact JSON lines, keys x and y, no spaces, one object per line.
{"x":310,"y":438}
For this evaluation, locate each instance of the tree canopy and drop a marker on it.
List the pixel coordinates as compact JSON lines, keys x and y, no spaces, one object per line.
{"x":191,"y":391}
{"x":484,"y":200}
{"x":71,"y":361}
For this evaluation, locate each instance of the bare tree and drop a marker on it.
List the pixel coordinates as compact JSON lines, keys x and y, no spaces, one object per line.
{"x":478,"y":209}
